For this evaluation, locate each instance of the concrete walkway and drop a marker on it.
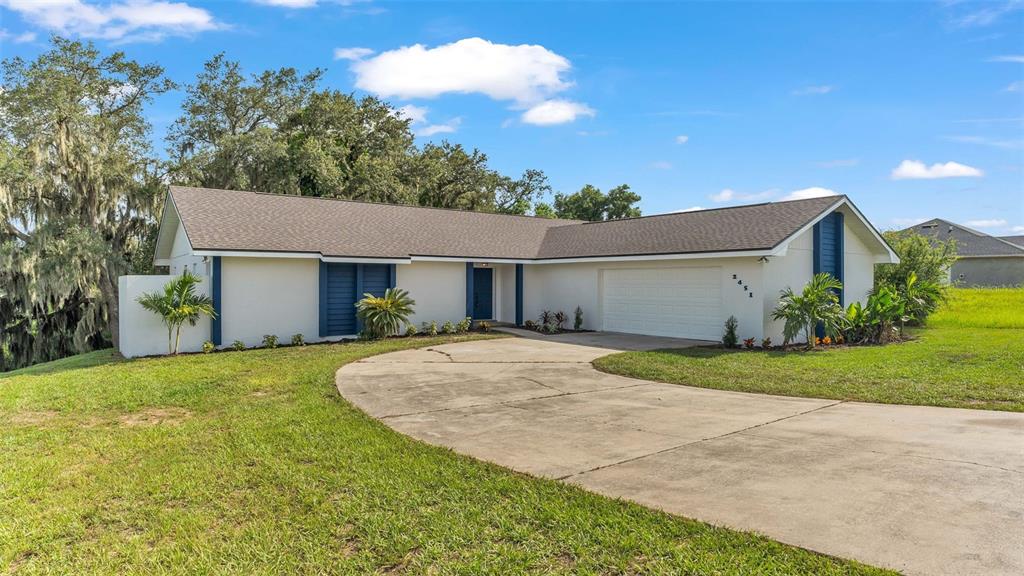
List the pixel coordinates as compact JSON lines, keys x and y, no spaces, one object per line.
{"x":921,"y":490}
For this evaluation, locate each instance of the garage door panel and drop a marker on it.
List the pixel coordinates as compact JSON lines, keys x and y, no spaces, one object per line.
{"x":683,"y":302}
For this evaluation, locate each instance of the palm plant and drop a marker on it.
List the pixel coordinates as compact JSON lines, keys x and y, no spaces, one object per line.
{"x":920,"y":298}
{"x":385,"y":315}
{"x":817,"y":304}
{"x":177,"y":304}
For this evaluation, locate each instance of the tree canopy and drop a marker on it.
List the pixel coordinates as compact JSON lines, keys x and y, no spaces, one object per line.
{"x":278,"y":132}
{"x":78,"y":190}
{"x":593,"y":205}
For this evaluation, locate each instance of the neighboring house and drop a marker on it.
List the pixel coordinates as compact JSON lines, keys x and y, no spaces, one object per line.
{"x":290,"y":264}
{"x":982,"y":260}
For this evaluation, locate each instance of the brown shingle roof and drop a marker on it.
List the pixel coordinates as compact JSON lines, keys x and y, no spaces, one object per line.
{"x":740,"y":228}
{"x":250,"y":221}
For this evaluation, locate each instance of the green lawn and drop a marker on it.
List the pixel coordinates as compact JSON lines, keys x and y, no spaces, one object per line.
{"x":251,"y":463}
{"x":971,"y":355}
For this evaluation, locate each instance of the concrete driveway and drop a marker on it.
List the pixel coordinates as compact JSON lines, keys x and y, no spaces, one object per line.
{"x":921,"y":490}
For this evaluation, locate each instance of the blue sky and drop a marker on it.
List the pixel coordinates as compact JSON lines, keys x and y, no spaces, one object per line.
{"x":914,"y":110}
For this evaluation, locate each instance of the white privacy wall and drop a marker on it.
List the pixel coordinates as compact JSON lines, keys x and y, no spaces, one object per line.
{"x":439,"y":289}
{"x":269,"y":296}
{"x":564,"y":286}
{"x":142,"y":333}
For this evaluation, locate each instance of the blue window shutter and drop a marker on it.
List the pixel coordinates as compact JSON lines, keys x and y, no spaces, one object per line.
{"x":828,"y":251}
{"x":469,"y":289}
{"x":816,"y":254}
{"x":840,"y":252}
{"x":358,"y":295}
{"x":337,"y":299}
{"x":392,"y":275}
{"x":215,"y":323}
{"x":519,"y":294}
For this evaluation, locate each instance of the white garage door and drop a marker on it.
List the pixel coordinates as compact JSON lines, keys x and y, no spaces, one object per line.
{"x":679,"y":302}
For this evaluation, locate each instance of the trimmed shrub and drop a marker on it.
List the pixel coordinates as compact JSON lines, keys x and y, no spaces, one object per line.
{"x":410,"y":330}
{"x":448,"y":327}
{"x":730,"y":339}
{"x":208,"y":347}
{"x":298,"y":340}
{"x":430,"y":328}
{"x":238,"y":345}
{"x":270,"y":341}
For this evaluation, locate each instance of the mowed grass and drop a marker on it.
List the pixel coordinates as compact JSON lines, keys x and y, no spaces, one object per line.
{"x":981,"y":308}
{"x":971,"y":355}
{"x":252,"y":463}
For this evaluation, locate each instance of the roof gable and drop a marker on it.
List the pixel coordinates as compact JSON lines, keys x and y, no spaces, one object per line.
{"x":969,"y":243}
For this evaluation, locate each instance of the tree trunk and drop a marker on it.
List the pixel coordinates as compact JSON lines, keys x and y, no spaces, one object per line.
{"x":170,"y":339}
{"x":177,"y":339}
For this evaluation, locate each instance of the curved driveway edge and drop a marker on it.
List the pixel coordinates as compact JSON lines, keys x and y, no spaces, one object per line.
{"x":919,"y":489}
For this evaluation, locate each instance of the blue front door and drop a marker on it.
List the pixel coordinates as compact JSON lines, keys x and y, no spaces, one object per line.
{"x":483,"y":283}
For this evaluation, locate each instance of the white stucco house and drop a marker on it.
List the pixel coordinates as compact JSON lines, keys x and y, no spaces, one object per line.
{"x":287,"y":265}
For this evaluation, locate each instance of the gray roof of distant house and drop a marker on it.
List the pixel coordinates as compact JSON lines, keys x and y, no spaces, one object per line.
{"x":1018,"y":240}
{"x":226,"y":220}
{"x":969,"y":243}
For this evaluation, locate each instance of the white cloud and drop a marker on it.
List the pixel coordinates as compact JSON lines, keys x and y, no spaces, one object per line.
{"x":691,"y":209}
{"x":661,"y":165}
{"x":841,"y":163}
{"x":1017,"y":229}
{"x":987,"y":223}
{"x":907,"y":222}
{"x":729,"y":195}
{"x":555,"y":112}
{"x":17,"y":38}
{"x":525,"y":73}
{"x":682,"y":139}
{"x":1015,"y":58}
{"x":916,"y":170}
{"x":130,"y":20}
{"x":443,"y":128}
{"x":1014,"y":86}
{"x":813,"y":90}
{"x":1011,"y":144}
{"x":416,"y":114}
{"x":288,"y":3}
{"x":354,"y":53}
{"x":977,"y":14}
{"x":812,"y":192}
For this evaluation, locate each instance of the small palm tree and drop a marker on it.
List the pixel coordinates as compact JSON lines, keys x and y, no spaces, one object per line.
{"x":817,"y":303}
{"x":177,"y":304}
{"x":385,"y":315}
